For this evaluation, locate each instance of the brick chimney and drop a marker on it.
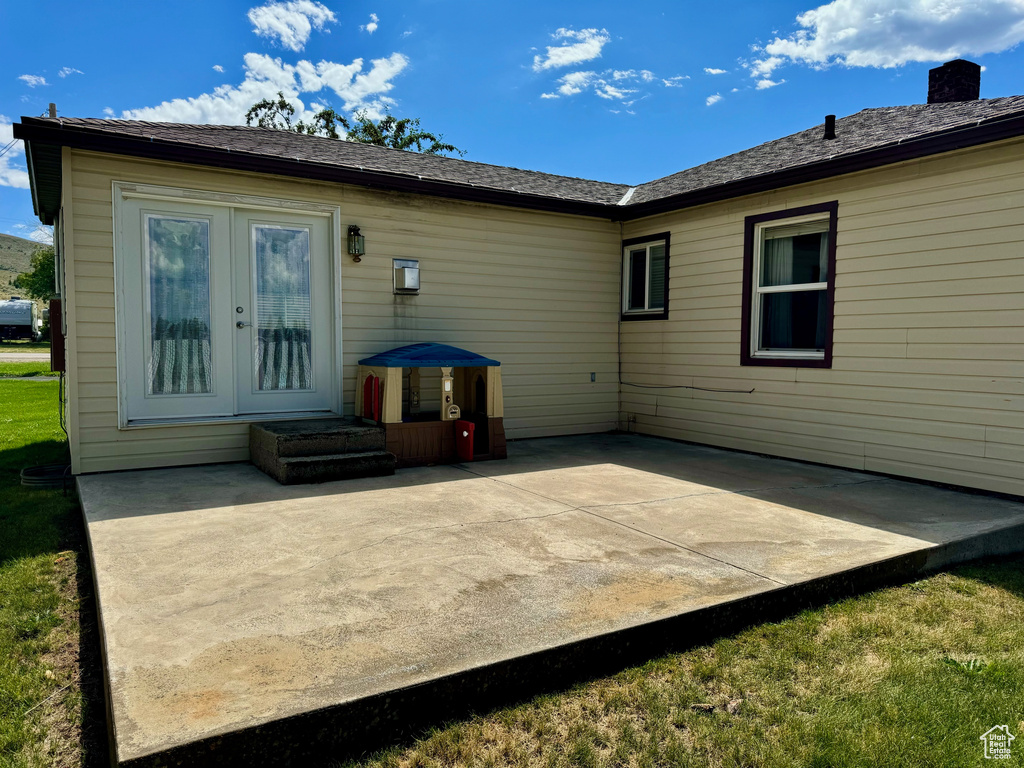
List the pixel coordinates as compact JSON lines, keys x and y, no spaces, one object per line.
{"x":957,"y":80}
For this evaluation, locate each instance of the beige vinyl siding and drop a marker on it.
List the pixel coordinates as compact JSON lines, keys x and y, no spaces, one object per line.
{"x":927,"y":378}
{"x":537,"y":291}
{"x":69,"y":303}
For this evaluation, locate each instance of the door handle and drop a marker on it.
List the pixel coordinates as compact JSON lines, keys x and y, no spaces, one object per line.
{"x":241,"y":324}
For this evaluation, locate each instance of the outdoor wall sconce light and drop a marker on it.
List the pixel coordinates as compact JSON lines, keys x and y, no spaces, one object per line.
{"x":356,"y":243}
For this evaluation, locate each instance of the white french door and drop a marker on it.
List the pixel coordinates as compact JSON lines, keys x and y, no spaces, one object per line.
{"x":282,"y":313}
{"x":223,"y":312}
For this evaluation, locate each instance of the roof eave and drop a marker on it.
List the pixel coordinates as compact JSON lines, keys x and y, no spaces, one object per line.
{"x":936,"y":143}
{"x":30,"y":167}
{"x":97,"y":141}
{"x":43,"y":163}
{"x":48,"y":134}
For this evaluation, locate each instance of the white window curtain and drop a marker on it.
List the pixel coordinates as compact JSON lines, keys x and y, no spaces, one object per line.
{"x":778,"y":270}
{"x":284,"y":322}
{"x":180,"y":361}
{"x":819,"y":336}
{"x":179,"y":306}
{"x":283,"y":359}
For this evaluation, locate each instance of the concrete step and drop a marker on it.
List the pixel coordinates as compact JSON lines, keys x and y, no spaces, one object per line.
{"x":314,"y":437}
{"x":319,"y":450}
{"x":296,"y":470}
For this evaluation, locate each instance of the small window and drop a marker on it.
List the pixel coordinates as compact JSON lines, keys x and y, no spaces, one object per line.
{"x":645,"y":277}
{"x":788,"y":287}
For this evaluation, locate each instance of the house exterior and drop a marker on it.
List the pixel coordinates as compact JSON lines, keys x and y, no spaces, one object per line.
{"x":852,"y":294}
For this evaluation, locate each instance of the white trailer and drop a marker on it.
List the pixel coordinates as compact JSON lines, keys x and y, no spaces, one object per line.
{"x":19,"y":319}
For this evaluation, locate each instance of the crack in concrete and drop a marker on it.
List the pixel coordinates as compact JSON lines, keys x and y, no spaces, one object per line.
{"x":587,"y":511}
{"x":738,"y":492}
{"x":687,"y":549}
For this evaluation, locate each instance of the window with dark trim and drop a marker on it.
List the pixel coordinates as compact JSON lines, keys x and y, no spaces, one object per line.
{"x":789,"y":266}
{"x":645,"y":277}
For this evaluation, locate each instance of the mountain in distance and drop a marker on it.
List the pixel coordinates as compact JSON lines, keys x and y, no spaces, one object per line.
{"x":15,"y":258}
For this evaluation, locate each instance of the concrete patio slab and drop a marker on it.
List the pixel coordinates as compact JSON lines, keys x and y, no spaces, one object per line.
{"x":241,"y":616}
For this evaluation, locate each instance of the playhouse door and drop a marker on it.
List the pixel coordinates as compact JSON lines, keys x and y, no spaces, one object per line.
{"x":282,"y":312}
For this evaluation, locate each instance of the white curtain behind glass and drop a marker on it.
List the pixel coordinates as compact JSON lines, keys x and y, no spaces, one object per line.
{"x":819,"y":335}
{"x":778,"y":270}
{"x":179,"y":306}
{"x":283,"y":318}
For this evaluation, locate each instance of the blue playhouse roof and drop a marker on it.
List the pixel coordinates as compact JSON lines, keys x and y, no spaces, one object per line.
{"x":427,"y":355}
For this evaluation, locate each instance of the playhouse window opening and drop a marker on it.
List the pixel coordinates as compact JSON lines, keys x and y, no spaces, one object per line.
{"x":430,"y":395}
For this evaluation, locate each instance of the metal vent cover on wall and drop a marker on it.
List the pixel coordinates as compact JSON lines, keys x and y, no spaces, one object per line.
{"x":407,"y":276}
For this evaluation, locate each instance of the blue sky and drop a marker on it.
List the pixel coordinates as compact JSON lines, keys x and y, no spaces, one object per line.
{"x":623,"y":92}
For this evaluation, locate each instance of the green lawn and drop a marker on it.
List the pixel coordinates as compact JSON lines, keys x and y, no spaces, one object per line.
{"x":909,"y":676}
{"x":41,"y":605}
{"x":12,"y":370}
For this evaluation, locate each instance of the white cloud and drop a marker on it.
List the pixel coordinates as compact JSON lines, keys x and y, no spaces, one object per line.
{"x":33,"y":231}
{"x":41,"y":234}
{"x":65,"y":71}
{"x":713,"y":99}
{"x":588,"y":45}
{"x":890,"y":33}
{"x":612,"y":84}
{"x":768,"y":83}
{"x":608,"y":91}
{"x":12,"y":171}
{"x":372,"y":25}
{"x":218,"y":68}
{"x":572,"y":83}
{"x":713,"y":71}
{"x":291,"y":22}
{"x":33,"y":80}
{"x":764,"y":67}
{"x":265,"y":76}
{"x":108,"y":112}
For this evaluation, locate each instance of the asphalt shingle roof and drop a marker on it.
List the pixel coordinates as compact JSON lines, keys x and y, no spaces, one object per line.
{"x":867,"y":130}
{"x":346,"y":154}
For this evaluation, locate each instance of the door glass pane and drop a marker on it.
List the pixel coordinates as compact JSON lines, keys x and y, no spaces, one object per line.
{"x":178,"y":261}
{"x":793,"y":320}
{"x":638,"y":279}
{"x":283,"y":353}
{"x":657,"y":291}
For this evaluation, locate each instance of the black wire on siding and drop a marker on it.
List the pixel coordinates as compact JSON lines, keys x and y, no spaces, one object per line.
{"x":684,"y":386}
